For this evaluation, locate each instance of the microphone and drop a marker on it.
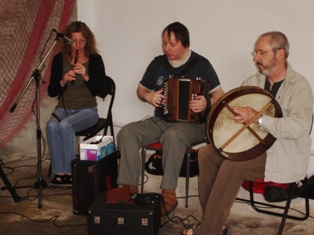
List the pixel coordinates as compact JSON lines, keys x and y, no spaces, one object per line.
{"x":61,"y":35}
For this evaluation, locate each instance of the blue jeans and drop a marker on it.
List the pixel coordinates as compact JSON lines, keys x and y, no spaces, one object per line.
{"x":61,"y":135}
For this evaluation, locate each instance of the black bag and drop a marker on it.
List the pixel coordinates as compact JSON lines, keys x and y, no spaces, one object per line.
{"x":300,"y":191}
{"x":154,"y":164}
{"x":278,"y":194}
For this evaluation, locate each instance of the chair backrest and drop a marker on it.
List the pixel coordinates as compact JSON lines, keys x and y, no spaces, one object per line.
{"x":112,"y":93}
{"x":103,"y":123}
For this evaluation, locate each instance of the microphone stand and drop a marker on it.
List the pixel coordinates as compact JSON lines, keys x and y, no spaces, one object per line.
{"x":40,"y":184}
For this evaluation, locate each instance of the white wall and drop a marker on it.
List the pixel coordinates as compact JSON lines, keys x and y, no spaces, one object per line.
{"x":129,"y":36}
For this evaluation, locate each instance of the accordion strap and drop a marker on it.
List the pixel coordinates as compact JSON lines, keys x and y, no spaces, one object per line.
{"x":164,"y":61}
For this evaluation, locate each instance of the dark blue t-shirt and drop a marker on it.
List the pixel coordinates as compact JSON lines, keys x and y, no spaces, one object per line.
{"x":156,"y":73}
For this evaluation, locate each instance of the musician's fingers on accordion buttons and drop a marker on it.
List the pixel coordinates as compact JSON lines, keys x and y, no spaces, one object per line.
{"x":161,"y":102}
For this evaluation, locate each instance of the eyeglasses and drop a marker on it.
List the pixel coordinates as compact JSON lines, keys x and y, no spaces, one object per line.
{"x":255,"y":53}
{"x":78,"y":40}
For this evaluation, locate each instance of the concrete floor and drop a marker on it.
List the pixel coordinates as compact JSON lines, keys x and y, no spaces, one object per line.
{"x":56,"y":214}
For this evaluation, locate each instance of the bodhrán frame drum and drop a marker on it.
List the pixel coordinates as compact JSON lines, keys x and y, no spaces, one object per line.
{"x":241,"y":141}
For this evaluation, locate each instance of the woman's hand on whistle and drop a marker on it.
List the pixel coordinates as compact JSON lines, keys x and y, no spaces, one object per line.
{"x":68,"y":77}
{"x":79,"y":69}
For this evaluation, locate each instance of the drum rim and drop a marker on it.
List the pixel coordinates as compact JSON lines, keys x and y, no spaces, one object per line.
{"x":260,"y":148}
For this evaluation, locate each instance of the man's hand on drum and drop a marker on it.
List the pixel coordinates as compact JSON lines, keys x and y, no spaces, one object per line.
{"x":245,"y":114}
{"x":156,"y":98}
{"x":198,"y":105}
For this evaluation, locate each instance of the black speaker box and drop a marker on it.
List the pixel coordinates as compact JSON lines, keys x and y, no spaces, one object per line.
{"x":123,"y":219}
{"x":90,"y":178}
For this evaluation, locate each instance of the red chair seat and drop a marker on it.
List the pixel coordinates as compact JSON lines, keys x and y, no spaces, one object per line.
{"x":158,"y":146}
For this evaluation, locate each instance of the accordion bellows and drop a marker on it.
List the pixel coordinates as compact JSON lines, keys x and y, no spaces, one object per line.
{"x":179,"y":92}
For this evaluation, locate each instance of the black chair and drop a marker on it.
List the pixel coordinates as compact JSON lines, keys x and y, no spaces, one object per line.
{"x":285,"y":209}
{"x":158,"y":147}
{"x":102,"y":124}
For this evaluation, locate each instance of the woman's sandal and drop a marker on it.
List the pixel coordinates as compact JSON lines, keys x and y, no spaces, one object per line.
{"x":192,"y":230}
{"x":226,"y":230}
{"x":57,"y":180}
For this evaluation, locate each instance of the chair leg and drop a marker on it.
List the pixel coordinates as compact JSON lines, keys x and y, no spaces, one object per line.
{"x":187,"y":177}
{"x":286,"y":208}
{"x":255,"y":207}
{"x":143,"y":168}
{"x":188,"y":169}
{"x":49,"y":170}
{"x":307,"y":199}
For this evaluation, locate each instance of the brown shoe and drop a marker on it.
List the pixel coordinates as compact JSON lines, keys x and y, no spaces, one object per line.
{"x":170,"y":201}
{"x":133,"y":189}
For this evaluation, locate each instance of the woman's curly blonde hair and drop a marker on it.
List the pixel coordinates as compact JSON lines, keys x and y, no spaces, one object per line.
{"x":74,"y":27}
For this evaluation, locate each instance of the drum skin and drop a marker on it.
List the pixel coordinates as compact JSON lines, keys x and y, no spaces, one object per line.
{"x":230,"y":138}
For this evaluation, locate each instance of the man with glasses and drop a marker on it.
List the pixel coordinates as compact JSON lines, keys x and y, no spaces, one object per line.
{"x":285,"y":161}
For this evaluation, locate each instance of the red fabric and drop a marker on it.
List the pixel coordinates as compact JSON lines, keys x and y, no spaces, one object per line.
{"x":22,"y":46}
{"x":158,"y":146}
{"x":260,"y":185}
{"x":155,"y":146}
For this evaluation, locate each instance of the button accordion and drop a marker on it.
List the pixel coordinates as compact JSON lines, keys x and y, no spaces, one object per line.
{"x":179,"y":92}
